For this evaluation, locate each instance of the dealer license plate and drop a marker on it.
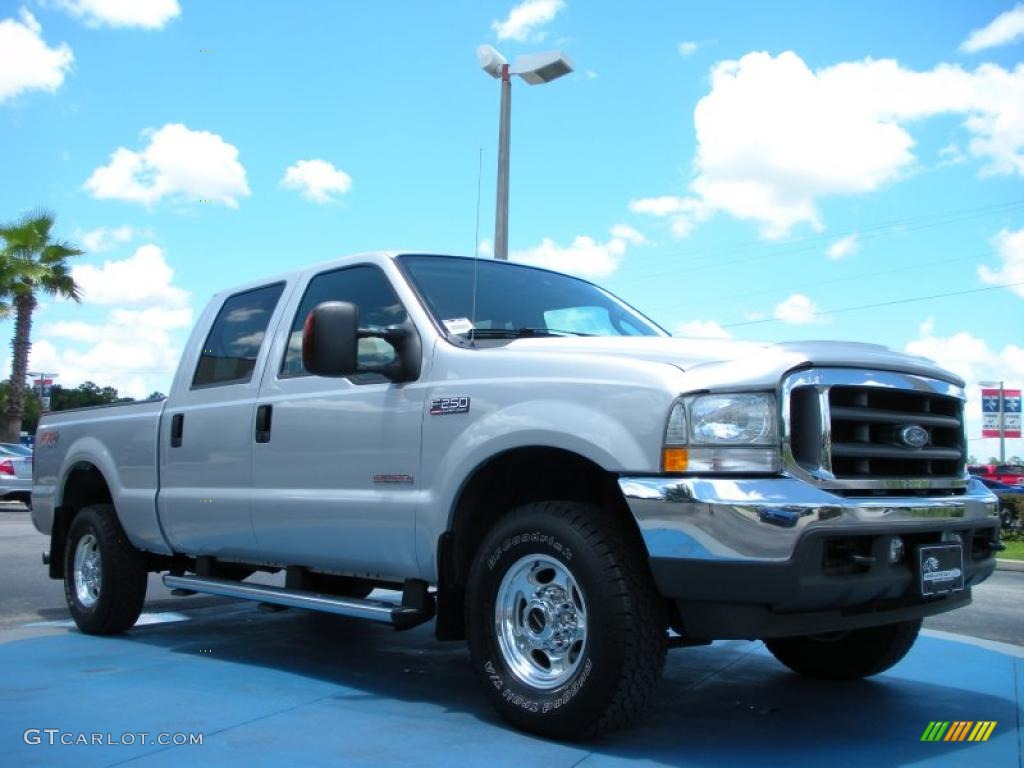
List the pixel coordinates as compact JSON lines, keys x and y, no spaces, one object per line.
{"x":942,"y":569}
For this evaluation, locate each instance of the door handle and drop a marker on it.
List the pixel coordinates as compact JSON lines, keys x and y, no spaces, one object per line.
{"x":263,"y":416}
{"x":177,"y":426}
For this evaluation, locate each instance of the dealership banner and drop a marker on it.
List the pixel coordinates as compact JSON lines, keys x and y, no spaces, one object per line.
{"x":990,"y":412}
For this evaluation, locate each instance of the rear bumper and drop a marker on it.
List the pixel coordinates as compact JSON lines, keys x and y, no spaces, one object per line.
{"x":19,"y":487}
{"x":775,"y":556}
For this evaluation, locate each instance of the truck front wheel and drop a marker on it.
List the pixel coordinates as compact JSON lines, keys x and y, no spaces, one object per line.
{"x":846,"y":655}
{"x":564,"y":622}
{"x":104,"y":575}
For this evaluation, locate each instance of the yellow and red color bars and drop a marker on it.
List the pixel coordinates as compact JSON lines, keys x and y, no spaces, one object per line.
{"x":958,"y":730}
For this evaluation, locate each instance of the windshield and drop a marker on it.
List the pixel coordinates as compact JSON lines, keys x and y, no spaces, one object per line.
{"x":513,"y":300}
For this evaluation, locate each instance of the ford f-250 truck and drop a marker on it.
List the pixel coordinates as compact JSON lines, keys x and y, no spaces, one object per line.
{"x":539,"y":466}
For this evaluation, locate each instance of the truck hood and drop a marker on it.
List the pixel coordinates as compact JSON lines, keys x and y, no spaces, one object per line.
{"x":712,"y":363}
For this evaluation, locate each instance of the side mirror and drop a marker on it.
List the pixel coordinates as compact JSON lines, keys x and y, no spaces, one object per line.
{"x":330,"y":339}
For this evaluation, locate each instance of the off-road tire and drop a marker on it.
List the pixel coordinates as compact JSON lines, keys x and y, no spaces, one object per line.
{"x":623,"y":653}
{"x":846,"y":655}
{"x":122,"y":581}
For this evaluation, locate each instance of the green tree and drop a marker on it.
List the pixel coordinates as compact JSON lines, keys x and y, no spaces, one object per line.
{"x":33,"y":407}
{"x":31,"y":262}
{"x":82,"y":396}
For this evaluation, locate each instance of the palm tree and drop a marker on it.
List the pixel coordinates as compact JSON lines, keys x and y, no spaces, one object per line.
{"x":30,"y":262}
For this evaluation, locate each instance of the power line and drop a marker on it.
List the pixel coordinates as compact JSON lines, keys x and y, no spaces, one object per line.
{"x":833,"y":281}
{"x":882,"y":304}
{"x":813,"y":242}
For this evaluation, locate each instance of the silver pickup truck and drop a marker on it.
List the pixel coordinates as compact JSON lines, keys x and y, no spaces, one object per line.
{"x":528,"y":459}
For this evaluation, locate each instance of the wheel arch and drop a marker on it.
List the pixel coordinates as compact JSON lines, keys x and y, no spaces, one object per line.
{"x":83,"y":484}
{"x":493,"y":489}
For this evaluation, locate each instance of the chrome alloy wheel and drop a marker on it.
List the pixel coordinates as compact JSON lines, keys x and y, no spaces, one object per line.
{"x":88,"y":571}
{"x":540,"y":618}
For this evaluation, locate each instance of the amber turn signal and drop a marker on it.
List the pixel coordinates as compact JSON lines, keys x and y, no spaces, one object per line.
{"x":675,"y":459}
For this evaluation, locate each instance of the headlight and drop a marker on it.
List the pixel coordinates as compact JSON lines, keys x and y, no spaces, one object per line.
{"x":722,"y":434}
{"x":733,"y":420}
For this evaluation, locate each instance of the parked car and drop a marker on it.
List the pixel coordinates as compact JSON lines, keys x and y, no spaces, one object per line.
{"x":529,"y":459}
{"x":1011,"y":501}
{"x":17,"y":449}
{"x":15,"y":474}
{"x":1011,"y":474}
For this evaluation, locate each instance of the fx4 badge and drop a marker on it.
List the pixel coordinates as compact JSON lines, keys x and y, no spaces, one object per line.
{"x":443,"y":406}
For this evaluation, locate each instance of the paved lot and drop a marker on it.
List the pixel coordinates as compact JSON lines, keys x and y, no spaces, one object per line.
{"x":304,"y":689}
{"x":295,"y":688}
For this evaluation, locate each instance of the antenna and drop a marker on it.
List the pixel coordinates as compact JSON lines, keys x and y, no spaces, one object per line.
{"x":476,"y":245}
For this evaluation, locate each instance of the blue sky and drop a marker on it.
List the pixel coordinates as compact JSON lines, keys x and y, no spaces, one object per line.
{"x":743,"y":169}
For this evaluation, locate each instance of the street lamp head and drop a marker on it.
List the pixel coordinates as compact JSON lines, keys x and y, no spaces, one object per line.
{"x":991,"y":383}
{"x":490,"y":60}
{"x":537,"y":68}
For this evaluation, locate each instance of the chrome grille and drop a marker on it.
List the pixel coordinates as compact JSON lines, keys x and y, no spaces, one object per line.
{"x":850,"y":428}
{"x":866,"y":433}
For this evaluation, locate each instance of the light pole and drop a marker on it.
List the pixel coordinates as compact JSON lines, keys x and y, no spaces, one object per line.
{"x":44,"y":398}
{"x":1002,"y":417}
{"x":535,"y":69}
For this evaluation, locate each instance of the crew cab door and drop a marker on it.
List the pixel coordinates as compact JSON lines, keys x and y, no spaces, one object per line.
{"x":336,"y":460}
{"x":206,"y":430}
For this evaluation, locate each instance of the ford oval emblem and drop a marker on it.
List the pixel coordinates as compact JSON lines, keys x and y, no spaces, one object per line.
{"x":914,"y":436}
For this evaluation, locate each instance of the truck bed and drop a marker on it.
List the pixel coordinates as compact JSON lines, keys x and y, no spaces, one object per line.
{"x":122,"y":438}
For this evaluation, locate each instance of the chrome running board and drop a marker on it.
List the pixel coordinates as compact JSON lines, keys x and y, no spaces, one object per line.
{"x":400,"y":615}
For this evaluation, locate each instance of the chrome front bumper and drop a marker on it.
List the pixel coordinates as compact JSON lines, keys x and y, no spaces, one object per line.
{"x":761,"y":520}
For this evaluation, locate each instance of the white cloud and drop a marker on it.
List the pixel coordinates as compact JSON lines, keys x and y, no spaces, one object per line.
{"x":774,"y":137}
{"x":26,"y":61}
{"x":1006,"y":28}
{"x":148,"y":14}
{"x":798,"y":309}
{"x":684,"y":212}
{"x":107,"y":238}
{"x":525,"y":19}
{"x":178,"y":164}
{"x":142,"y":278}
{"x":688,"y":48}
{"x":630,"y":234}
{"x":843,"y":247}
{"x":702,"y":329}
{"x":584,"y":256}
{"x":316,"y":180}
{"x":973,"y":360}
{"x":136,"y":346}
{"x":485,"y":249}
{"x":1010,"y":249}
{"x":951,"y":154}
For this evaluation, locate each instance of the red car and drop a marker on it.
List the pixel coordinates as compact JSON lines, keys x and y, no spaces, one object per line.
{"x":1011,"y":474}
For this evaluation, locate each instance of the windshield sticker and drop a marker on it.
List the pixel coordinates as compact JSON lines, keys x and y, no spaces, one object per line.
{"x":458,"y":325}
{"x":444,"y":406}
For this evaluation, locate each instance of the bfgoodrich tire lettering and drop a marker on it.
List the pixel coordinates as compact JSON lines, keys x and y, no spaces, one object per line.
{"x":846,"y":655}
{"x":104,"y":575}
{"x":606,"y":661}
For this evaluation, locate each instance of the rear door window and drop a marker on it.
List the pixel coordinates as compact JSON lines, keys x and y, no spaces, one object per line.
{"x":233,"y":344}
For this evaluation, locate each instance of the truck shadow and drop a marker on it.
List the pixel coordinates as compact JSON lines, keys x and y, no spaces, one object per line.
{"x":727,"y":703}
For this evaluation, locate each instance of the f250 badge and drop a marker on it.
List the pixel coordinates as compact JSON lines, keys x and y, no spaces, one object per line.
{"x":444,"y":406}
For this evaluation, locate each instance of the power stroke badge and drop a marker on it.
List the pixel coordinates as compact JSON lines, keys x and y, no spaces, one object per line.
{"x":445,"y":406}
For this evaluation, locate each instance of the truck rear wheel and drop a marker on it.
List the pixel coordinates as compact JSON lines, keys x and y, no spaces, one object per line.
{"x":846,"y":655}
{"x":104,"y":575}
{"x":564,"y":622}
